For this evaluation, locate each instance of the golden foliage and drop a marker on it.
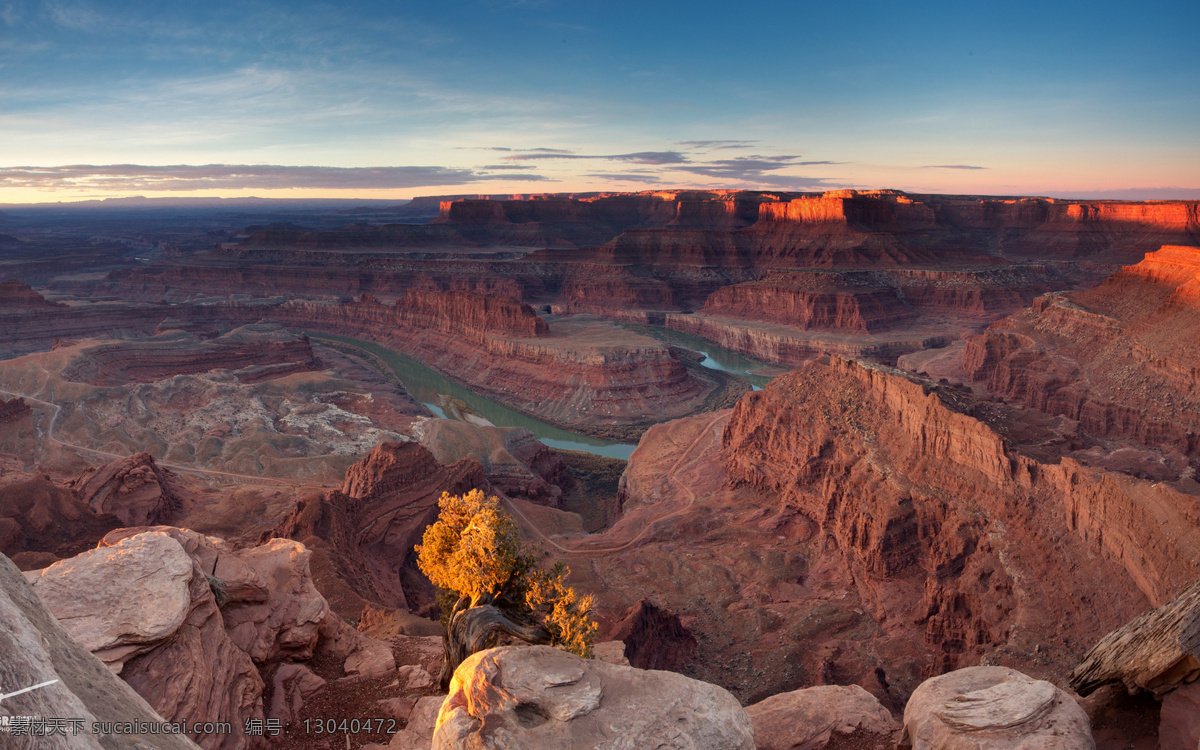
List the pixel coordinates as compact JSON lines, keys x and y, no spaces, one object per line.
{"x":473,"y":549}
{"x":566,"y":615}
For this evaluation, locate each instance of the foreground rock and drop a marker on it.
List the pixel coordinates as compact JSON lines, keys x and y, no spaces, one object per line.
{"x":539,"y":697}
{"x":808,"y":719}
{"x":1156,"y":651}
{"x":1179,"y":727}
{"x":146,"y":607}
{"x":994,"y":708}
{"x":120,"y":601}
{"x":34,"y":648}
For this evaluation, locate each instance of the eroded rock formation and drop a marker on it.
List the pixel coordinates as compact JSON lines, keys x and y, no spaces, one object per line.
{"x":135,"y":490}
{"x":1117,"y":359}
{"x":363,"y":535}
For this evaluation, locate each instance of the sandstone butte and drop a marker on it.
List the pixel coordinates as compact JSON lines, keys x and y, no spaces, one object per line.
{"x":985,"y":457}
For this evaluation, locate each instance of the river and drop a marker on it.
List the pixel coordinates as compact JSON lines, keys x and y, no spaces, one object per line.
{"x":715,"y":357}
{"x":435,"y":391}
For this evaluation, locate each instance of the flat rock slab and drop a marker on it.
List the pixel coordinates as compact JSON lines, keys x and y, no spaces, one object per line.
{"x":540,"y":697}
{"x":994,"y":708}
{"x":121,"y":597}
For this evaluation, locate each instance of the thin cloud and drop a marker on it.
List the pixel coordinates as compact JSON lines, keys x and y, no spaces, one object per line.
{"x":749,"y":168}
{"x":75,"y":16}
{"x":639,"y":157}
{"x":951,"y":166}
{"x":717,"y":145}
{"x":184,"y":178}
{"x":522,"y":150}
{"x":627,"y":177}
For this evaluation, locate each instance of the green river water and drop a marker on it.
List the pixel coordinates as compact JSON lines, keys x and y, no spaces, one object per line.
{"x":432,"y":388}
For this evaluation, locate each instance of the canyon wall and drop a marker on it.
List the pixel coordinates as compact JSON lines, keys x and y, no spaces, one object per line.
{"x":1119,"y":359}
{"x":496,"y":347}
{"x":788,"y":345}
{"x":923,"y":499}
{"x":255,"y":352}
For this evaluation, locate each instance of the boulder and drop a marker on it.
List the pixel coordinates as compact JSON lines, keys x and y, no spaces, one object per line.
{"x":146,"y":608}
{"x":1155,"y":651}
{"x":123,"y":600}
{"x":35,"y":648}
{"x":236,"y":581}
{"x":808,"y":719}
{"x":286,"y":624}
{"x":294,"y":684}
{"x":994,"y":708}
{"x":374,"y":659}
{"x":1179,"y":720}
{"x":539,"y":697}
{"x":359,"y":654}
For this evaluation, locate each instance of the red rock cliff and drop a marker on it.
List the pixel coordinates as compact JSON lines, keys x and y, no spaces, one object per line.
{"x":942,"y":523}
{"x":1120,"y":359}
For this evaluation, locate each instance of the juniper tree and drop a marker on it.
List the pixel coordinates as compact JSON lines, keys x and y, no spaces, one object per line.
{"x":491,"y":584}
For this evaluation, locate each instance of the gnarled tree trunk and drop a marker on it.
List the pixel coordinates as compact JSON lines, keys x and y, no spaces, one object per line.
{"x":473,"y":629}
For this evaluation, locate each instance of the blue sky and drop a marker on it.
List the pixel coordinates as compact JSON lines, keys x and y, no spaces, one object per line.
{"x":397,"y":99}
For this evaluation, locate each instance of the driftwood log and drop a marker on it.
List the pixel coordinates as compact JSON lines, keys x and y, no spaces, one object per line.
{"x":472,"y":629}
{"x":1156,"y":651}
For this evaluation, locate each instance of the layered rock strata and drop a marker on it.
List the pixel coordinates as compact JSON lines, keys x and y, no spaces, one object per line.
{"x":1116,"y":359}
{"x":932,"y":488}
{"x":255,"y":352}
{"x":15,"y":295}
{"x":134,"y":489}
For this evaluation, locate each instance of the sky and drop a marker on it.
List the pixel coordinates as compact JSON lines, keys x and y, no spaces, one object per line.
{"x":397,"y":99}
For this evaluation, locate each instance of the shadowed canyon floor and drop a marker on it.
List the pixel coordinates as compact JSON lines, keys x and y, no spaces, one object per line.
{"x":981,"y":449}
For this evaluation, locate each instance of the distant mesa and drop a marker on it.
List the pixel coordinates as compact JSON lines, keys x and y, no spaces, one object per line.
{"x":15,"y":295}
